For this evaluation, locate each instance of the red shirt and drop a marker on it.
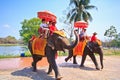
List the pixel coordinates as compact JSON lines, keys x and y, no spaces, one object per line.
{"x":52,"y":29}
{"x":93,"y":38}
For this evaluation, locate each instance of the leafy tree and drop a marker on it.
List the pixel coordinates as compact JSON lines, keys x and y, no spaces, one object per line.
{"x":8,"y":40}
{"x":77,"y":10}
{"x":118,"y":36}
{"x":29,"y":28}
{"x":117,"y":40}
{"x":114,"y":37}
{"x":80,"y":10}
{"x":111,"y":32}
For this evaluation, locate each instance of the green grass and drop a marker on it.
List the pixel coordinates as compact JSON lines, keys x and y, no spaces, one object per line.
{"x":61,"y":53}
{"x":28,"y":54}
{"x":108,"y":52}
{"x":9,"y":56}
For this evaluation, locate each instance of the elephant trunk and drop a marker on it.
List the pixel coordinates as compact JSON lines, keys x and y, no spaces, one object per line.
{"x":74,"y":44}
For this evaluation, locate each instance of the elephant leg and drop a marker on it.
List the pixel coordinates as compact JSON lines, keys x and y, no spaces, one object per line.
{"x":51,"y":59}
{"x":83,"y":59}
{"x":70,"y":55}
{"x":53,"y":64}
{"x":55,"y":68}
{"x":50,"y":69}
{"x":92,"y":56}
{"x":36,"y":58}
{"x":101,"y":59}
{"x":74,"y":60}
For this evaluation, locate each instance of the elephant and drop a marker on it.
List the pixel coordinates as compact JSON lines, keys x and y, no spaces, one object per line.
{"x":60,"y":44}
{"x":90,"y":49}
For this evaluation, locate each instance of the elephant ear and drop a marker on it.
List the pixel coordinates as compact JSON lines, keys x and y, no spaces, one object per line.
{"x":50,"y":41}
{"x":53,"y":40}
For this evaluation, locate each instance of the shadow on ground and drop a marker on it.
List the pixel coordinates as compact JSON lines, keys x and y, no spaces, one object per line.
{"x":71,"y":65}
{"x":27,"y":72}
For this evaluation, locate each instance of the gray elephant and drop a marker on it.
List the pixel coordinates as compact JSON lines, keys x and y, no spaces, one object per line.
{"x":90,"y":49}
{"x":60,"y":44}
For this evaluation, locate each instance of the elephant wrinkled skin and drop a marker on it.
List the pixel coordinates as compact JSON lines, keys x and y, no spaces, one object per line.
{"x":90,"y":49}
{"x":60,"y":43}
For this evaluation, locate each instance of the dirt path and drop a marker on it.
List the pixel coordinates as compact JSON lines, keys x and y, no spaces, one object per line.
{"x":69,"y":71}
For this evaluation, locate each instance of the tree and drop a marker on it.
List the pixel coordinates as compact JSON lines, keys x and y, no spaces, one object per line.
{"x":8,"y":40}
{"x":114,"y":38}
{"x":111,"y":32}
{"x":76,"y":11}
{"x":29,"y":28}
{"x":116,"y":41}
{"x":80,"y":11}
{"x":118,"y":36}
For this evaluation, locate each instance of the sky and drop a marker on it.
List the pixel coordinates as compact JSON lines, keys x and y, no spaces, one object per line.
{"x":13,"y":12}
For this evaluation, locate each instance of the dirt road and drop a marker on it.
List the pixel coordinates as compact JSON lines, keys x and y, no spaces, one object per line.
{"x":69,"y":71}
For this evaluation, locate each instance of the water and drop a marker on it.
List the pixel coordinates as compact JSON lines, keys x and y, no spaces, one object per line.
{"x":12,"y":50}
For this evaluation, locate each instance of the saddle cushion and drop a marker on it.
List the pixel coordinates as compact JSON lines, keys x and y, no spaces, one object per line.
{"x":78,"y":50}
{"x":61,"y":33}
{"x":99,"y":42}
{"x":38,"y":46}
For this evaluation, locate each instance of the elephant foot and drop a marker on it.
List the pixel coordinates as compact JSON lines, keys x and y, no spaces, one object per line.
{"x":34,"y":70}
{"x":50,"y":73}
{"x":74,"y":62}
{"x":66,"y":59}
{"x":82,"y":66}
{"x":102,"y":67}
{"x":97,"y":68}
{"x":59,"y":78}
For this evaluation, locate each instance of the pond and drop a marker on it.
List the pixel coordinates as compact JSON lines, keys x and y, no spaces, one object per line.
{"x":12,"y":50}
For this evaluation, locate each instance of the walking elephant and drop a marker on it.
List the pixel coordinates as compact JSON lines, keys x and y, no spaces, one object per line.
{"x":90,"y":49}
{"x":60,"y":44}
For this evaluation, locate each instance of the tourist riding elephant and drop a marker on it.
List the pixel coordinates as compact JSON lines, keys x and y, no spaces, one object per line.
{"x":90,"y":49}
{"x":60,"y":44}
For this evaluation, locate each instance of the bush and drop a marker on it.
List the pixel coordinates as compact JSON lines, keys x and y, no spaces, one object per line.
{"x":61,"y":53}
{"x":28,"y":54}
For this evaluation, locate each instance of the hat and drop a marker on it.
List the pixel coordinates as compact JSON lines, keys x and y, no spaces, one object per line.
{"x":43,"y":20}
{"x":50,"y":22}
{"x":95,"y":33}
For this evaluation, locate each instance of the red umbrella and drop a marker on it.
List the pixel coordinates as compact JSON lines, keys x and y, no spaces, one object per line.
{"x":47,"y":15}
{"x":81,"y":24}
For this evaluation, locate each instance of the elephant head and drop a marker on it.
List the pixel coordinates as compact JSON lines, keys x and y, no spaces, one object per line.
{"x":61,"y":43}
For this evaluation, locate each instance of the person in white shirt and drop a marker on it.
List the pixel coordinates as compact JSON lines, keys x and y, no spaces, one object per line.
{"x":83,"y":34}
{"x":44,"y":28}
